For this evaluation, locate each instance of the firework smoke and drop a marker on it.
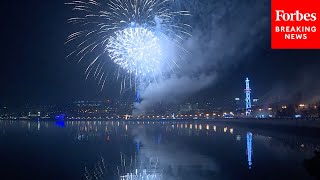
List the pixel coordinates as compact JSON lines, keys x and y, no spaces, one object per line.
{"x":224,"y":31}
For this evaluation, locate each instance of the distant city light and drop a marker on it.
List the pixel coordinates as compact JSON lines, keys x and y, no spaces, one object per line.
{"x":231,"y":131}
{"x":238,"y":138}
{"x":302,"y":105}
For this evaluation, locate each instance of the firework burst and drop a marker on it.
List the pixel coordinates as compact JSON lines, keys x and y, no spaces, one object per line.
{"x":136,"y":50}
{"x":135,"y":34}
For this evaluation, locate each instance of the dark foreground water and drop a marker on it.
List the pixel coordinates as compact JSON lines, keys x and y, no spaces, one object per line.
{"x":153,"y":150}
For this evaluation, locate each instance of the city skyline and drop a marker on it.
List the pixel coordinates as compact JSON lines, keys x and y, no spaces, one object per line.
{"x":38,"y":73}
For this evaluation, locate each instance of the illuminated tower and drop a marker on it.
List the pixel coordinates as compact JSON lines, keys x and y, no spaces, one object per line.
{"x":138,"y":146}
{"x":247,"y":91}
{"x":138,"y":97}
{"x":249,"y":149}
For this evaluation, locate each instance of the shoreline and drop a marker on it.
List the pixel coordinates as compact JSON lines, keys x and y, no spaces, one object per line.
{"x":311,"y":122}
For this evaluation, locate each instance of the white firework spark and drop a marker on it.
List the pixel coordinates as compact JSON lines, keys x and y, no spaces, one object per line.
{"x":136,"y":50}
{"x":131,"y":33}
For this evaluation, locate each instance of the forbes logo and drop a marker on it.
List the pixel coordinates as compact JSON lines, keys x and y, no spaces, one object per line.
{"x":295,"y":24}
{"x":281,"y":15}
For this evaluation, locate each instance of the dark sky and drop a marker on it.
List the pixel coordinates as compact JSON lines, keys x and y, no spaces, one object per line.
{"x":33,"y":64}
{"x":34,"y":69}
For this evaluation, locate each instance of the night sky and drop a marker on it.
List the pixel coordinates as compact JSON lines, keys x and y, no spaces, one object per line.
{"x":34,"y":69}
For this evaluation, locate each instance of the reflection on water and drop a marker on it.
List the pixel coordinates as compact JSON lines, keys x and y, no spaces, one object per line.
{"x":129,"y":169}
{"x":99,"y":171}
{"x":249,"y":149}
{"x":166,"y":150}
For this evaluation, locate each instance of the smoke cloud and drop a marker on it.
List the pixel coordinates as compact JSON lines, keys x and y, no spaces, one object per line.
{"x":223,"y":32}
{"x":304,"y":87}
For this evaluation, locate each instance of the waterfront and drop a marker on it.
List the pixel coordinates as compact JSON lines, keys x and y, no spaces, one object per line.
{"x":157,"y":149}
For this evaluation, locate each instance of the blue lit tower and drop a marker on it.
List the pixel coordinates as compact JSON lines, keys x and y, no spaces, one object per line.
{"x":138,"y":100}
{"x":248,"y":97}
